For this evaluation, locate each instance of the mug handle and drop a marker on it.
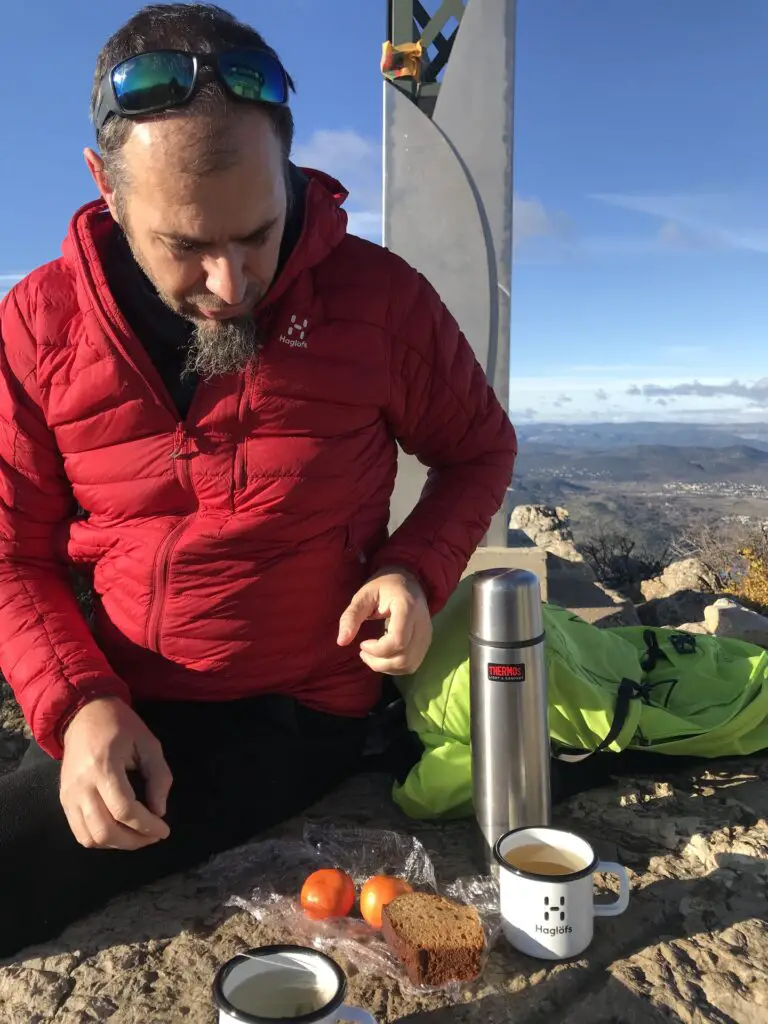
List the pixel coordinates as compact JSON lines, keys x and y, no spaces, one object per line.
{"x":354,"y":1013}
{"x":621,"y":903}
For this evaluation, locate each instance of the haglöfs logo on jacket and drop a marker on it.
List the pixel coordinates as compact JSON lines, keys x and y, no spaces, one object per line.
{"x":295,"y":336}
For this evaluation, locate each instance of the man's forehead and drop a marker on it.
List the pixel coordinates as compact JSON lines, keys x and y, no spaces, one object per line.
{"x":174,"y":201}
{"x":201,"y":238}
{"x":201,"y":143}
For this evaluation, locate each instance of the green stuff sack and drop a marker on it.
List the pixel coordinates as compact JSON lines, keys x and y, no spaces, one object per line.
{"x":703,"y":696}
{"x":615,"y":689}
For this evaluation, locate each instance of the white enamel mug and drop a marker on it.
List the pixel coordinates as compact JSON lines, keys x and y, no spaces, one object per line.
{"x":293,"y":984}
{"x":551,"y":916}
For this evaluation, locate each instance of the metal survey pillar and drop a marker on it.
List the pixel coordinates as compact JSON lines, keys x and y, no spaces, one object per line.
{"x":448,"y":181}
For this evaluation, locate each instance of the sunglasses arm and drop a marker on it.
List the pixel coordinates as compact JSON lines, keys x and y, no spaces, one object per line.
{"x":106,"y":104}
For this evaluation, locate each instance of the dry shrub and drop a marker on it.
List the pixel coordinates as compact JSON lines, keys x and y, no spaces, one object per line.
{"x":735,"y":553}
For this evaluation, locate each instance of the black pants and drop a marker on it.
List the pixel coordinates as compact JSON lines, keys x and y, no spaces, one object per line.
{"x":238,"y":767}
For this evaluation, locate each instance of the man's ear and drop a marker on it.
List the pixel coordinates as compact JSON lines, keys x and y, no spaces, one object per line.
{"x":98,"y":172}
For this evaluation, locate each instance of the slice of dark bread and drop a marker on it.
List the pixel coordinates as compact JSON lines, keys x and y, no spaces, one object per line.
{"x":438,"y":941}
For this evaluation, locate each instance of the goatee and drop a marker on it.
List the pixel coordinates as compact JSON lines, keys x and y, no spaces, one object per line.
{"x":216,"y":347}
{"x":221,"y":347}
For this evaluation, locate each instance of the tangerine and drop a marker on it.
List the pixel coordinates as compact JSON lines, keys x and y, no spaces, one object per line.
{"x":328,"y":892}
{"x":377,"y":893}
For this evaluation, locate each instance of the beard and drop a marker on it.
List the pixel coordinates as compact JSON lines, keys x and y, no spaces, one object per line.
{"x":220,"y":347}
{"x":216,"y":347}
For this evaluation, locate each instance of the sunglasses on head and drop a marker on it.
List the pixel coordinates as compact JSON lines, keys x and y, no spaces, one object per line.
{"x":152,"y":82}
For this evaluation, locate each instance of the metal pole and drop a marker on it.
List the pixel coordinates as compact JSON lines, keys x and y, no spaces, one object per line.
{"x":448,"y":181}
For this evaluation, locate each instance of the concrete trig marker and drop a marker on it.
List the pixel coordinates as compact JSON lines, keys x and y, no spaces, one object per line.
{"x":448,"y":146}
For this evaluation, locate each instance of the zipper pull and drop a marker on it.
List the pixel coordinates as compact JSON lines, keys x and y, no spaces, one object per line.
{"x":179,"y":442}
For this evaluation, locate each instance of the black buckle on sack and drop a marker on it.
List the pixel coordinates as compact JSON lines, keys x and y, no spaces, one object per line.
{"x":683,"y":643}
{"x":653,"y":653}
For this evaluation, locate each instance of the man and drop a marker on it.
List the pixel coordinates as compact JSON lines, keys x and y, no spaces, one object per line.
{"x":199,"y":410}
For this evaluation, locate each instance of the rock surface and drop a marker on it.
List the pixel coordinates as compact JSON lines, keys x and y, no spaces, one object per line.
{"x":549,"y":529}
{"x":691,"y":627}
{"x":14,"y":731}
{"x":688,"y":574}
{"x":693,"y":947}
{"x":679,"y":595}
{"x":728,"y":618}
{"x":675,"y":609}
{"x":623,"y":612}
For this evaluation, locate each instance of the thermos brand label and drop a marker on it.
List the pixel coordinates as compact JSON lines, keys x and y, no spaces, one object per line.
{"x":513,"y":673}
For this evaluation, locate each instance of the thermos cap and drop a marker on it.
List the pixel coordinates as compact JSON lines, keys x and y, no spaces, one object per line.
{"x":506,"y":607}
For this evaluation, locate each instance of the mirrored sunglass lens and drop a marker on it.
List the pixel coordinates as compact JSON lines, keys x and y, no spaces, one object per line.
{"x":253,"y":75}
{"x":153,"y":80}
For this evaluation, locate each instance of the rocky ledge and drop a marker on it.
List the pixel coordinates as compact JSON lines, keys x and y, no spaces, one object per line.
{"x":693,"y":946}
{"x":684,"y":596}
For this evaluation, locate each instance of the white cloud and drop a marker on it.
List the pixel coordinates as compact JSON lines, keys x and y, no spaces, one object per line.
{"x":670,"y":398}
{"x":356,"y":161}
{"x":559,"y":240}
{"x":756,"y":393}
{"x":673,"y":235}
{"x":7,"y":281}
{"x":366,"y":223}
{"x":531,"y":219}
{"x":702,"y":220}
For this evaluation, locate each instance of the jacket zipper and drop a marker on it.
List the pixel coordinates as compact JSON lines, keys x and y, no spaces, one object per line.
{"x":241,"y":459}
{"x":162,"y":567}
{"x":160,"y":573}
{"x":181,"y":456}
{"x":354,"y":549}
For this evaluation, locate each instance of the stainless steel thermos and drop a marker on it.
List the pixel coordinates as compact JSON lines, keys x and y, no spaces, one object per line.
{"x":508,"y":704}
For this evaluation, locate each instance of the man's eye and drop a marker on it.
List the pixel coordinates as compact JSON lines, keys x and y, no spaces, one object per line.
{"x":185,"y":248}
{"x":258,"y":239}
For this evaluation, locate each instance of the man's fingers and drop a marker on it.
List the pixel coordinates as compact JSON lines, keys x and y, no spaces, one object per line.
{"x":157,"y":776}
{"x":364,"y":605}
{"x":386,"y":657}
{"x":397,"y":666}
{"x":396,"y":640}
{"x":104,"y":831}
{"x":78,"y":826}
{"x":124,"y":808}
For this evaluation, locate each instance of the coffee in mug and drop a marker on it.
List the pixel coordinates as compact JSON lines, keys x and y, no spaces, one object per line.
{"x":544,"y":860}
{"x":547,"y":892}
{"x":283,"y":983}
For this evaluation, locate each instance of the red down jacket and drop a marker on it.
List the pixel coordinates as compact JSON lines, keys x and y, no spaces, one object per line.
{"x":223,"y":549}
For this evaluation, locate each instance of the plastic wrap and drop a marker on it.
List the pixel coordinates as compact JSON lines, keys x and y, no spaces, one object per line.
{"x":281,"y":866}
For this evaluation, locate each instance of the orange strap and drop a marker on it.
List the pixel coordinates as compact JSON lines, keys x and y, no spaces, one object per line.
{"x":402,"y":61}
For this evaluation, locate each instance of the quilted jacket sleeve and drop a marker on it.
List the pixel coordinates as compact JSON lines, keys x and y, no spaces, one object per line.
{"x":47,"y":652}
{"x":443,"y":410}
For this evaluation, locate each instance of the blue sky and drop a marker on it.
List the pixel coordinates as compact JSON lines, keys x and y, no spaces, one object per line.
{"x":641,"y":190}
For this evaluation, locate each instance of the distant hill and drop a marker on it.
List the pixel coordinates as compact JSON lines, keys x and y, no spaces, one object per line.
{"x":654,"y":463}
{"x":606,"y":436}
{"x":649,"y":481}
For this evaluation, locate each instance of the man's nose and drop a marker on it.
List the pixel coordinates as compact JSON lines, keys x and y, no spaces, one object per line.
{"x":225,"y":278}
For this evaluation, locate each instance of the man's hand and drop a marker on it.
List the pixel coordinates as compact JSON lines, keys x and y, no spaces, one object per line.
{"x":395,"y":596}
{"x":104,"y":741}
